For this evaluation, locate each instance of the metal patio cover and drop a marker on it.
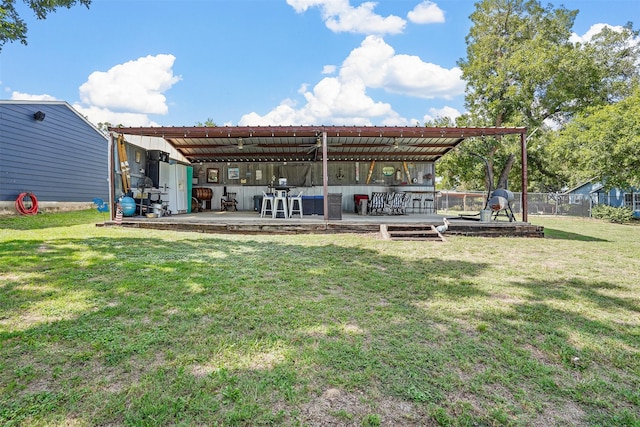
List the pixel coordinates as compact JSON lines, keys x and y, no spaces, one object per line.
{"x":304,"y":143}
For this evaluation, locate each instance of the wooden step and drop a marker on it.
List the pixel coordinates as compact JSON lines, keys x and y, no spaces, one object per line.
{"x":410,"y":232}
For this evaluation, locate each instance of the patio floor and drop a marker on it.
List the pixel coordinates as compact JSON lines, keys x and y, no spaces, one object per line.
{"x":249,"y":222}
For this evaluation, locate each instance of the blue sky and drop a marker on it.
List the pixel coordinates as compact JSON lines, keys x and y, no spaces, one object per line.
{"x":257,"y":62}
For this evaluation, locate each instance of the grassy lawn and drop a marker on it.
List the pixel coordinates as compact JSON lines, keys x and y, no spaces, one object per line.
{"x":113,"y":326}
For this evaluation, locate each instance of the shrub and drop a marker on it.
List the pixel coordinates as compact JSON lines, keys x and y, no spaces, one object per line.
{"x":620,"y":215}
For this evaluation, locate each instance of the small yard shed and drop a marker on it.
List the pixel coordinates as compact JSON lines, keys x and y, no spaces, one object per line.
{"x":51,"y":150}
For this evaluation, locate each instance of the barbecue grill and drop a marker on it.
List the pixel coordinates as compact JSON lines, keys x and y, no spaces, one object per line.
{"x":500,"y":202}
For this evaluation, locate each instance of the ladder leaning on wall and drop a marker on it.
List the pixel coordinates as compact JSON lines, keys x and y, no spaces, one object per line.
{"x":124,"y":164}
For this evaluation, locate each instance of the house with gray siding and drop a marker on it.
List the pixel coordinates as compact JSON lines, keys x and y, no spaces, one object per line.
{"x":51,"y":150}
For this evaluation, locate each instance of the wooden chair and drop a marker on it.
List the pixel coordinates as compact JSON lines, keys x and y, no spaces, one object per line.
{"x":229,"y":202}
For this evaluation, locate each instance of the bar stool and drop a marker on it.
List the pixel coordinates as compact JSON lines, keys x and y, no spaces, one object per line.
{"x":293,"y":200}
{"x":280,"y":204}
{"x":429,"y":206}
{"x":267,"y":199}
{"x":417,"y":198}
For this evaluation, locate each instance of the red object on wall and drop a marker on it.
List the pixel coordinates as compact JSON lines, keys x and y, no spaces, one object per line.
{"x":21,"y":208}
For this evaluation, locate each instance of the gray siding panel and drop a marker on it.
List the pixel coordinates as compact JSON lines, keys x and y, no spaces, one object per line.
{"x":61,"y":159}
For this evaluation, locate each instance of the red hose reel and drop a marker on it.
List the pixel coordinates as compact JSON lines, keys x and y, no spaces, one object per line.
{"x":27,"y":210}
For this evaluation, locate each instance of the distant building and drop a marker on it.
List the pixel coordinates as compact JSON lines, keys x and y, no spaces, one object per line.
{"x":49,"y":149}
{"x":595,"y":193}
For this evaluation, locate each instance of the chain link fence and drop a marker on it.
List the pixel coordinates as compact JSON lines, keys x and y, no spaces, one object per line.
{"x":539,"y":203}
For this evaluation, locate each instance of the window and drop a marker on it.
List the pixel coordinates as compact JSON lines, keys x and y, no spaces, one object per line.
{"x":632,"y":200}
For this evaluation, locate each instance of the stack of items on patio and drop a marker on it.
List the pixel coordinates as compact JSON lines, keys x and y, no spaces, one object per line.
{"x":394,"y":203}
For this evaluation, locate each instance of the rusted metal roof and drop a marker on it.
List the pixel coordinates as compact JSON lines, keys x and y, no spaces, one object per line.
{"x":304,"y":143}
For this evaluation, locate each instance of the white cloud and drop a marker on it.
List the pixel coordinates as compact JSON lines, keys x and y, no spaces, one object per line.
{"x":329,"y":69}
{"x":435,"y":113}
{"x":19,"y":96}
{"x":135,"y":86}
{"x":592,"y":31}
{"x":301,"y":6}
{"x":103,"y":115}
{"x":93,"y":113}
{"x":340,"y":16}
{"x":426,"y":12}
{"x":127,"y":93}
{"x":376,"y":63}
{"x":595,"y":29}
{"x":331,"y":101}
{"x":343,"y":100}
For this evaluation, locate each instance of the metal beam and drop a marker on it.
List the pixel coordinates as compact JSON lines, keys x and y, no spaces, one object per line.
{"x":314,"y":131}
{"x":325,"y":177}
{"x":525,"y":183}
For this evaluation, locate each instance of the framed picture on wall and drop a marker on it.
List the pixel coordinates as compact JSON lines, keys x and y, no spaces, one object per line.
{"x":213,"y":175}
{"x":233,"y":173}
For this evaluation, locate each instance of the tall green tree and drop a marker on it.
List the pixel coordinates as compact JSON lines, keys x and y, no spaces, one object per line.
{"x":522,"y":70}
{"x":208,"y":123}
{"x":12,"y":26}
{"x":603,"y":143}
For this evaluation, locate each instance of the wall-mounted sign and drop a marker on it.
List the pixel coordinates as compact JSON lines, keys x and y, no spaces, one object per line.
{"x":388,"y":170}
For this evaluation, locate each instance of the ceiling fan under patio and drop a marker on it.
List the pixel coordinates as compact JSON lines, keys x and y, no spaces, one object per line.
{"x":312,"y":148}
{"x":396,"y":144}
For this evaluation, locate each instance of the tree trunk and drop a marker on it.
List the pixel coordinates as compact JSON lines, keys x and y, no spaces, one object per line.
{"x":488,"y":177}
{"x":504,"y":175}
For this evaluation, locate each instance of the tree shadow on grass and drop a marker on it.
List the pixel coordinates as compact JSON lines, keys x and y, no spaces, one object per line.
{"x":259,"y":330}
{"x":107,"y":316}
{"x":552,"y":233}
{"x":37,"y":271}
{"x":580,"y":290}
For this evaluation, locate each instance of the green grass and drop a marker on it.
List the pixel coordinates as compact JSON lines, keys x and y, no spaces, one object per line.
{"x":117,"y":326}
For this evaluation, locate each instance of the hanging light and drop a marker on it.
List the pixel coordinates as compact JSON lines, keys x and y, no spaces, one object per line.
{"x":240,"y":145}
{"x":395,"y":143}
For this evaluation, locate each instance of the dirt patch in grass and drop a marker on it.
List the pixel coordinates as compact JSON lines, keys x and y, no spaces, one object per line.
{"x":506,"y":299}
{"x":562,"y":414}
{"x":539,"y":356}
{"x":202,"y":371}
{"x":6,"y":278}
{"x":43,"y":248}
{"x":335,"y":407}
